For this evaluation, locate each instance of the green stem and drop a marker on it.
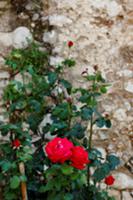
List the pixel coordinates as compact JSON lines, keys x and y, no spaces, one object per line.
{"x":90,"y":147}
{"x":91,"y":133}
{"x":70,"y":115}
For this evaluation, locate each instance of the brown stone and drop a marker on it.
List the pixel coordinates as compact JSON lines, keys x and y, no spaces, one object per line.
{"x":127,"y":53}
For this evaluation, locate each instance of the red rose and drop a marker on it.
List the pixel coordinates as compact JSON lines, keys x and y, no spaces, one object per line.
{"x":59,"y":150}
{"x":109,"y":180}
{"x":79,"y":157}
{"x":16,"y":143}
{"x":70,"y":44}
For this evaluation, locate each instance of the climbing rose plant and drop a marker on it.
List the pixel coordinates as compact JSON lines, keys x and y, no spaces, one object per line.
{"x":47,"y":150}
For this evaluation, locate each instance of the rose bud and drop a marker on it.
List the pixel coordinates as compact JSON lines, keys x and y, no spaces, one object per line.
{"x":16,"y":144}
{"x":70,"y":44}
{"x":69,"y":99}
{"x":109,"y":180}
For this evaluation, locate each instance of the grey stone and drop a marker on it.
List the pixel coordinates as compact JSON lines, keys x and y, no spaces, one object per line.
{"x":21,"y":37}
{"x":126,"y":196}
{"x":123,"y":181}
{"x":59,"y":20}
{"x":57,"y":60}
{"x":50,"y":37}
{"x":6,"y":39}
{"x":129,"y":86}
{"x":35,"y":17}
{"x":30,"y":6}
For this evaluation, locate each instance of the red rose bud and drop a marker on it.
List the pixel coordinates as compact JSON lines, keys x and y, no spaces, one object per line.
{"x":79,"y":157}
{"x":16,"y":143}
{"x":59,"y":150}
{"x":70,"y":44}
{"x":95,"y":67}
{"x":69,"y":99}
{"x":109,"y":180}
{"x":106,"y":115}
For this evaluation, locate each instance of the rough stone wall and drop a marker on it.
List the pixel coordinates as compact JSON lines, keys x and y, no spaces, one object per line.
{"x":6,"y":19}
{"x":102,"y":34}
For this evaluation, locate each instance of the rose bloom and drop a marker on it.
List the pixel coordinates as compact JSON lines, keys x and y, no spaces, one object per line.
{"x":59,"y":149}
{"x":16,"y":143}
{"x":70,"y":44}
{"x":79,"y":157}
{"x":109,"y":180}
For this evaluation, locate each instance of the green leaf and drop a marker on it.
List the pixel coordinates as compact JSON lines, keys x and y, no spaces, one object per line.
{"x":67,"y":169}
{"x":74,"y":176}
{"x":16,"y":54}
{"x":68,"y":196}
{"x":90,"y":77}
{"x":31,"y":70}
{"x":103,"y":89}
{"x":77,"y":131}
{"x":60,"y":182}
{"x":20,"y":104}
{"x":57,"y":126}
{"x":10,"y":195}
{"x":5,"y":165}
{"x":66,"y":84}
{"x":113,"y":161}
{"x":49,"y":186}
{"x":11,"y":63}
{"x":52,"y":77}
{"x":35,"y":105}
{"x":85,"y":98}
{"x":99,"y":77}
{"x":69,"y":62}
{"x":94,"y":154}
{"x":34,"y":120}
{"x":111,"y":198}
{"x":62,"y":111}
{"x":108,"y":123}
{"x":86,"y":113}
{"x":53,"y":170}
{"x":14,"y":182}
{"x":100,"y":122}
{"x":101,"y":172}
{"x":53,"y":195}
{"x":5,"y":128}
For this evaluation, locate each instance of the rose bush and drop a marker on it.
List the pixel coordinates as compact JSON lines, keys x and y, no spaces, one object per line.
{"x":41,"y":105}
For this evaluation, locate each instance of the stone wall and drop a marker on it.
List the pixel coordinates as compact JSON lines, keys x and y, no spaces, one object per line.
{"x":102,"y":34}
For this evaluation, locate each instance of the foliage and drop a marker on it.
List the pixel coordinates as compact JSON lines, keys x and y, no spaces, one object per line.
{"x":41,"y":102}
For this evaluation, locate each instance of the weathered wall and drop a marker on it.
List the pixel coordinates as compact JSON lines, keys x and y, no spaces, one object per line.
{"x":102,"y":34}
